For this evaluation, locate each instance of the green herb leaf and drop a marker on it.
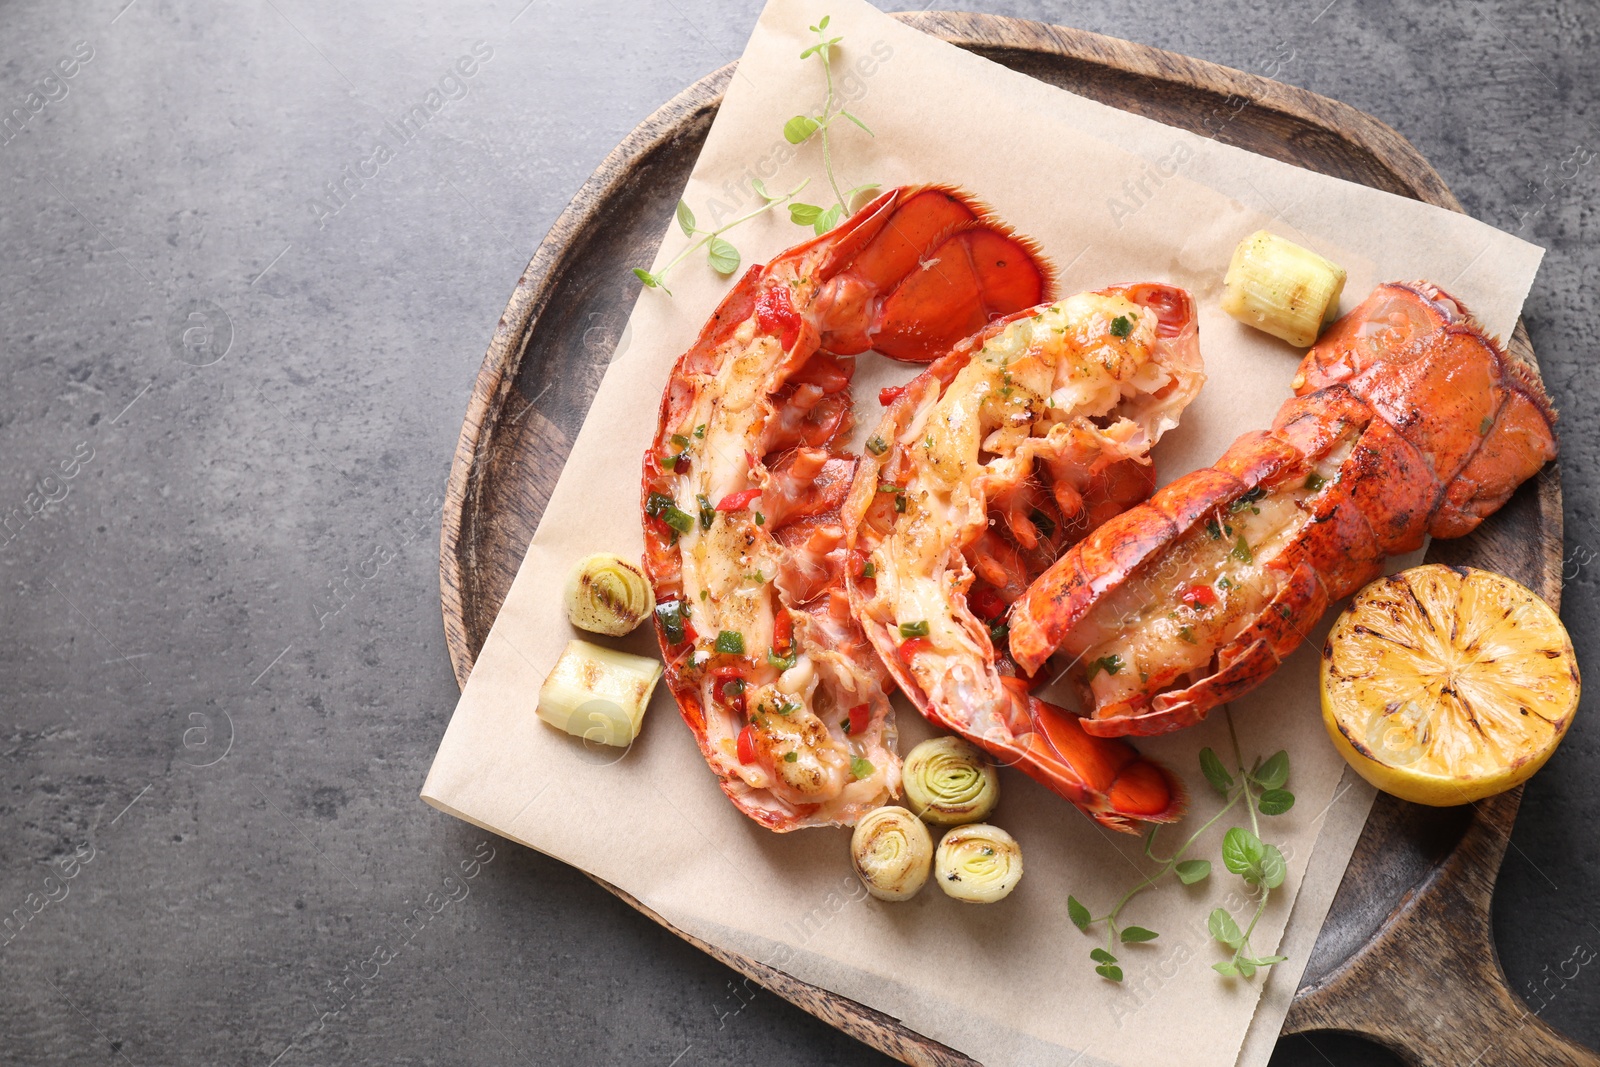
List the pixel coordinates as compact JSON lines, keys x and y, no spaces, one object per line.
{"x":1215,"y":772}
{"x":731,"y":642}
{"x":1121,"y":326}
{"x":761,"y":190}
{"x":1100,"y":955}
{"x":804,"y":214}
{"x":723,"y":257}
{"x":868,"y":569}
{"x":861,"y":768}
{"x":685,"y":219}
{"x":1109,"y":971}
{"x":1213,"y":529}
{"x":1225,"y":968}
{"x":650,"y":280}
{"x":1247,"y":969}
{"x":876,"y":445}
{"x":828,"y":220}
{"x":1242,"y":852}
{"x":1273,"y":868}
{"x":1078,"y":913}
{"x":1241,"y":551}
{"x":1270,"y":960}
{"x":1136,"y":934}
{"x":1192,"y":871}
{"x":857,"y":121}
{"x":783,"y":663}
{"x":1274,"y":772}
{"x":1111,"y":664}
{"x":1315,"y":481}
{"x":708,"y":514}
{"x":790,"y":757}
{"x":700,"y":431}
{"x":914,"y":629}
{"x":1276,"y":801}
{"x":800,"y":128}
{"x":1224,"y":929}
{"x":671,"y":614}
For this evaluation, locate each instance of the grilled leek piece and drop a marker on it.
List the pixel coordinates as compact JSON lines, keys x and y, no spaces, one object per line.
{"x":1283,"y":289}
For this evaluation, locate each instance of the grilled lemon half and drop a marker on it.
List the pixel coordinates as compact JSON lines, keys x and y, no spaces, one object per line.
{"x":1443,"y":685}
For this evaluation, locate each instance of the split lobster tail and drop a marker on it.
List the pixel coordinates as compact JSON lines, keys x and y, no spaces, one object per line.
{"x":745,"y":481}
{"x":1005,"y":451}
{"x":1407,"y":420}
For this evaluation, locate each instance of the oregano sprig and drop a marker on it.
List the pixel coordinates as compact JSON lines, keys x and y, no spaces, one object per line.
{"x":802,"y":128}
{"x":1259,"y":863}
{"x":720,"y":253}
{"x":1243,"y":853}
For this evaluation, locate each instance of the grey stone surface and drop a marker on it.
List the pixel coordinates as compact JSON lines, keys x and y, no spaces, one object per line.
{"x":222,"y":402}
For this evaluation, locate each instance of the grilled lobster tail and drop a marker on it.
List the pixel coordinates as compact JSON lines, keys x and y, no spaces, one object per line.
{"x":1407,"y":420}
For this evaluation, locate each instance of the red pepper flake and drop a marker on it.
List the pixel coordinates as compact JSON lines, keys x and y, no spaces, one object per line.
{"x":738,"y":501}
{"x":1200,"y":596}
{"x":860,"y":718}
{"x":747,"y":745}
{"x":782,"y":633}
{"x":909,"y":649}
{"x":775,"y":314}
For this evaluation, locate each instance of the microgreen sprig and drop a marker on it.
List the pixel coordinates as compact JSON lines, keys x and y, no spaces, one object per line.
{"x":1243,"y":853}
{"x":720,"y":253}
{"x":802,"y":128}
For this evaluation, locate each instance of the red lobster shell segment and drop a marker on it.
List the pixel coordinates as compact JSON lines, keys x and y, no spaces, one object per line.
{"x":1408,"y":420}
{"x":988,"y":465}
{"x":744,"y":484}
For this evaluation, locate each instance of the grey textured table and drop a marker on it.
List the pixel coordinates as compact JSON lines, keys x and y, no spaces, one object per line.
{"x":238,"y":344}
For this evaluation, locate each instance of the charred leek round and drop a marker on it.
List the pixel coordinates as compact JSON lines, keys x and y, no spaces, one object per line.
{"x":892,"y":851}
{"x":608,"y":595}
{"x":949,"y":782}
{"x":1281,"y":288}
{"x":979,"y":864}
{"x":598,"y":694}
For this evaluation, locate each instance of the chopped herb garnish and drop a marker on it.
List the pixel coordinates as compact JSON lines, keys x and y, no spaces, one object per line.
{"x":868,"y":569}
{"x":678,"y":520}
{"x":671,"y":614}
{"x":655,"y":502}
{"x":914,"y":629}
{"x":1111,"y":664}
{"x":1247,"y":500}
{"x":861,"y":768}
{"x":876,"y":445}
{"x":1315,"y":481}
{"x":669,"y":463}
{"x":999,"y":634}
{"x":886,"y":488}
{"x":700,"y":431}
{"x":680,"y":440}
{"x":900,"y":502}
{"x":1187,"y":634}
{"x":730,"y":641}
{"x":708,"y":514}
{"x":790,"y":757}
{"x":1214,"y":530}
{"x":1224,"y":582}
{"x":784,"y":662}
{"x":1121,"y":326}
{"x":761,"y":520}
{"x":1241,"y":551}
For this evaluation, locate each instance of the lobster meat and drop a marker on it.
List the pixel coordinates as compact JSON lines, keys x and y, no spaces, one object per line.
{"x":1005,"y":451}
{"x":1406,"y":420}
{"x":744,"y":482}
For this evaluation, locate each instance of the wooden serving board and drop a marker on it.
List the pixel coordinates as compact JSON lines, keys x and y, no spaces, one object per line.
{"x":1406,"y":957}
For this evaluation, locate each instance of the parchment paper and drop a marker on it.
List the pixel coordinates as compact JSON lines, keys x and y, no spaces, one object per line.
{"x":1111,"y":198}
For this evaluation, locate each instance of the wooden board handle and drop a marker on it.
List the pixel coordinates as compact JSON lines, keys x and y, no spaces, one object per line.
{"x":1428,"y":984}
